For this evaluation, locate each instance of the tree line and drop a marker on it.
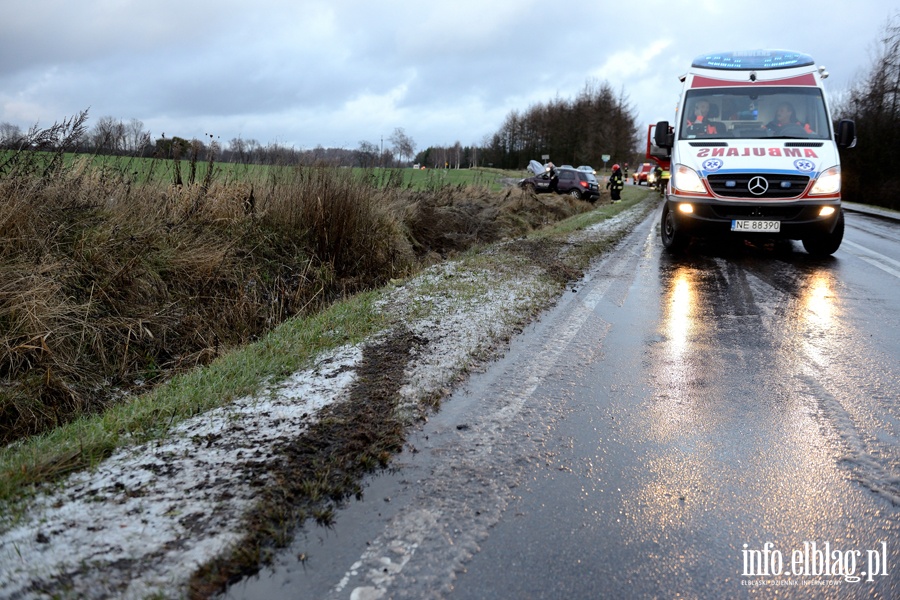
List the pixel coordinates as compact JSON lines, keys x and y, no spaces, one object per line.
{"x":577,"y":132}
{"x":871,"y":171}
{"x":111,"y":136}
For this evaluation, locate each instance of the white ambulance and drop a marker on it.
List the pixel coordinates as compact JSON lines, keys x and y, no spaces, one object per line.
{"x":753,"y":153}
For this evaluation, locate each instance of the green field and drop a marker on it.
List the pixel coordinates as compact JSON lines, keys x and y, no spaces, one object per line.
{"x":144,"y":170}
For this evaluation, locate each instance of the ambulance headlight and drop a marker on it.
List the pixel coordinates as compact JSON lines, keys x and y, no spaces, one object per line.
{"x":829,"y":182}
{"x":685,"y":179}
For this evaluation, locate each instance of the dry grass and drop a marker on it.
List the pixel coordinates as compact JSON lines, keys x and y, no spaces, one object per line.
{"x":108,"y":288}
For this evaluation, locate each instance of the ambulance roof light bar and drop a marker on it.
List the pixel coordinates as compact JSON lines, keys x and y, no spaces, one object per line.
{"x":758,"y":60}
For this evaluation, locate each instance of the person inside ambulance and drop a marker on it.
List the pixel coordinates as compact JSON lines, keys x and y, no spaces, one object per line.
{"x":698,"y":122}
{"x":786,"y":122}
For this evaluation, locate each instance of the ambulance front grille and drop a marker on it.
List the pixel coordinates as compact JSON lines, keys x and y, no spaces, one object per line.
{"x":758,"y":185}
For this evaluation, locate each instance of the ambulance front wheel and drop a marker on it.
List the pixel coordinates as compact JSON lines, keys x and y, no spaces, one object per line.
{"x":673,"y":241}
{"x":826,"y":245}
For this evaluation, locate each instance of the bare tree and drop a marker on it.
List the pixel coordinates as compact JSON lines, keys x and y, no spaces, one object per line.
{"x":402,"y":145}
{"x":442,"y":158}
{"x":238,"y":148}
{"x":136,"y":139}
{"x":253,"y":149}
{"x":367,"y":154}
{"x":456,"y":154}
{"x":10,"y":135}
{"x":108,"y":134}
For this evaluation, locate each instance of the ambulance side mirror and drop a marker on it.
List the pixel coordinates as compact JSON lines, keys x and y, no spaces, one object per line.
{"x":845,"y":136}
{"x":662,"y":137}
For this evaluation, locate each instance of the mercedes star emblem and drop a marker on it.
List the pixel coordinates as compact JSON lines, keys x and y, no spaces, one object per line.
{"x":758,"y":186}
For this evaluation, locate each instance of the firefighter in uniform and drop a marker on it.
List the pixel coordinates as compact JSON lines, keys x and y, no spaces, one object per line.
{"x":615,"y":184}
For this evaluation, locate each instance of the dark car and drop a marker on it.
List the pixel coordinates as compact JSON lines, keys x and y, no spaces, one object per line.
{"x":562,"y":180}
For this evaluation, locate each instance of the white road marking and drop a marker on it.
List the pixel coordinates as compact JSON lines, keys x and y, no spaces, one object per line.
{"x":885,"y":263}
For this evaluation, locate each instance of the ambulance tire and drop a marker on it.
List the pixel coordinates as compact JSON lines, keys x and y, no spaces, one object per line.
{"x":672,"y":241}
{"x":828,"y":244}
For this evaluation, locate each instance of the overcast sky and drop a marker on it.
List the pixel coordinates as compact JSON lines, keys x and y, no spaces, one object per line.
{"x":304,"y":73}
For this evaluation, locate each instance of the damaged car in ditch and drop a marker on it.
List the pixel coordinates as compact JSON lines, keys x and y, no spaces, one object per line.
{"x":561,"y":180}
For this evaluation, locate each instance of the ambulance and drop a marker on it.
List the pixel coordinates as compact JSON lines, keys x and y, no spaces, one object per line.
{"x":753,"y":153}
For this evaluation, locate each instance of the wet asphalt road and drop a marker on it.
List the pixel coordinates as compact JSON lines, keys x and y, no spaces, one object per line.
{"x":709,"y":426}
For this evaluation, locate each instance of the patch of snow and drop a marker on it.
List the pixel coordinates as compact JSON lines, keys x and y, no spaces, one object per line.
{"x":148,"y":516}
{"x":460,"y":326}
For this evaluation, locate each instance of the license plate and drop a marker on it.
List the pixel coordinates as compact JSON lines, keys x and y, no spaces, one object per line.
{"x":756,"y":226}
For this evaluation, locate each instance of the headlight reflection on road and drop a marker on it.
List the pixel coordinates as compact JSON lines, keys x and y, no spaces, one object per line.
{"x":676,"y":373}
{"x":818,"y":301}
{"x":816,"y":316}
{"x":716,"y":452}
{"x":679,"y":316}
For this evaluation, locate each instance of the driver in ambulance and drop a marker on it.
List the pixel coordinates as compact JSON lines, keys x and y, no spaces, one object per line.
{"x":699,"y":124}
{"x":786,"y":121}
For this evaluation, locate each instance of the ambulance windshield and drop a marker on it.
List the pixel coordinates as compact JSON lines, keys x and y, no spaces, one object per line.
{"x":760,"y":112}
